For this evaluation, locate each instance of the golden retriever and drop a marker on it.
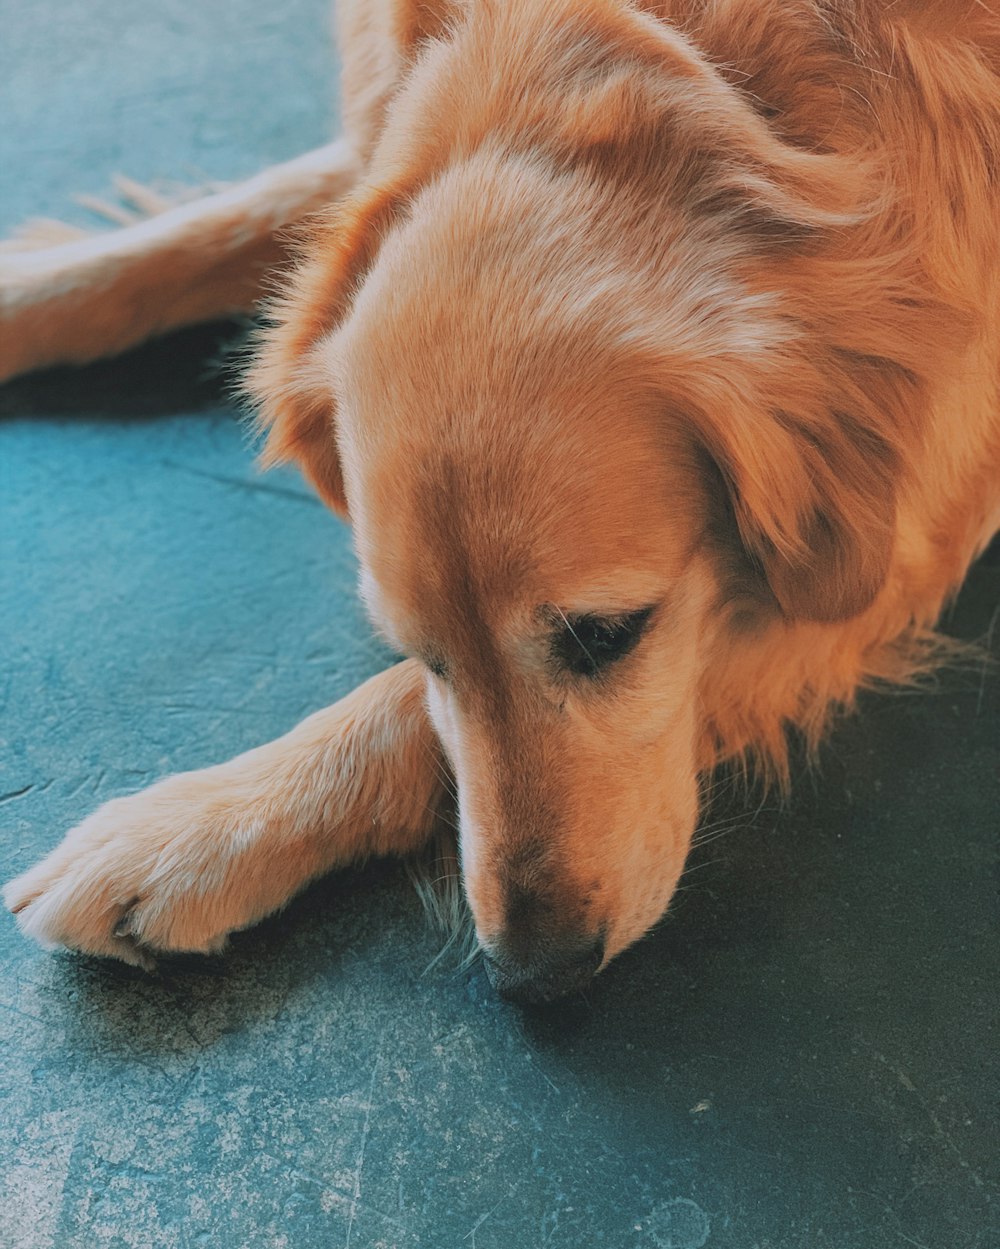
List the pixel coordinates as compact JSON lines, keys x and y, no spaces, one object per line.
{"x":653,"y":351}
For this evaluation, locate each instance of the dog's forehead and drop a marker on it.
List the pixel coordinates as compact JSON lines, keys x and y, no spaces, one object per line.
{"x":479,"y":532}
{"x":496,"y":276}
{"x":493,"y":437}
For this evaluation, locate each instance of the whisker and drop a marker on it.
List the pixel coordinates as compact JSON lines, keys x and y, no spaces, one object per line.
{"x":443,"y":775}
{"x":576,"y":636}
{"x":697,"y":867}
{"x":710,"y":832}
{"x":441,"y":813}
{"x":441,"y":879}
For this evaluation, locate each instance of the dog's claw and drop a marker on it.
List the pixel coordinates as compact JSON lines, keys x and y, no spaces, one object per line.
{"x":124,"y":926}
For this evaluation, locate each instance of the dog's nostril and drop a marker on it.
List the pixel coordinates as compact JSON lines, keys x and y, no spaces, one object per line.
{"x":549,"y":975}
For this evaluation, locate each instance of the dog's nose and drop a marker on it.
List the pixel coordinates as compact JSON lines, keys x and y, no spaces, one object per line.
{"x":551,"y":974}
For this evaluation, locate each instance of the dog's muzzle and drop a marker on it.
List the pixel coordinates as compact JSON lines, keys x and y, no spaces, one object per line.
{"x":554,"y":974}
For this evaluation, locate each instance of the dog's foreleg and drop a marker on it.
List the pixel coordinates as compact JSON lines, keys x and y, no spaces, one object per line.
{"x":202,"y":854}
{"x":99,"y":294}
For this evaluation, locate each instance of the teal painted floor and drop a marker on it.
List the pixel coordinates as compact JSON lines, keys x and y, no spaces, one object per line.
{"x":803,"y":1056}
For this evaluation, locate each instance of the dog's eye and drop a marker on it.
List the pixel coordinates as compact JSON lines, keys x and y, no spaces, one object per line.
{"x":587,"y":644}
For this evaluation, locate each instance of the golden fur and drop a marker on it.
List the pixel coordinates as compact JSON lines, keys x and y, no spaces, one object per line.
{"x":684,"y":306}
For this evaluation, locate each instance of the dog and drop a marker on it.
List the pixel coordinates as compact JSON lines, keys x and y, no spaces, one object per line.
{"x":653,"y":351}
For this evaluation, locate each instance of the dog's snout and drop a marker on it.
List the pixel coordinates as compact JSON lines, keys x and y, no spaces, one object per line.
{"x":543,"y":949}
{"x":554,"y":971}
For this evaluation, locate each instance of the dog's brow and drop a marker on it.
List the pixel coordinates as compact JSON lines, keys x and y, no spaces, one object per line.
{"x":568,"y":616}
{"x":597,"y":607}
{"x":618,"y":594}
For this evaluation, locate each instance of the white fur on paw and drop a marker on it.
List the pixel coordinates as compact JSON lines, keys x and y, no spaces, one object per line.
{"x":40,"y":233}
{"x":127,"y":883}
{"x":43,"y":914}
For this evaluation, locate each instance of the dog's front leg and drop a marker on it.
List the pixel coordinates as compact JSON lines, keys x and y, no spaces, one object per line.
{"x":100,"y":294}
{"x":199,"y":855}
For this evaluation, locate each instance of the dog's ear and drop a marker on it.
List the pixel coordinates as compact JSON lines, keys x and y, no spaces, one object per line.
{"x":804,"y":435}
{"x":286,"y":382}
{"x":639,"y":94}
{"x":416,"y":21}
{"x":813,"y":497}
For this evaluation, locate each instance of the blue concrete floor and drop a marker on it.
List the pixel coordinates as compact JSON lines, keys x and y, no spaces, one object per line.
{"x":804,"y":1056}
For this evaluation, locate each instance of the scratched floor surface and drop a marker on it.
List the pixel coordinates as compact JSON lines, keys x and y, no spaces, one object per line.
{"x":803,"y":1057}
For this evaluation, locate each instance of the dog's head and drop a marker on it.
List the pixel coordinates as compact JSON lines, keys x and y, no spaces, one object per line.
{"x":570,"y":365}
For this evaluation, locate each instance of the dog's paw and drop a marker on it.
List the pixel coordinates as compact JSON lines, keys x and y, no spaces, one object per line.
{"x":38,"y":234}
{"x":143,"y":874}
